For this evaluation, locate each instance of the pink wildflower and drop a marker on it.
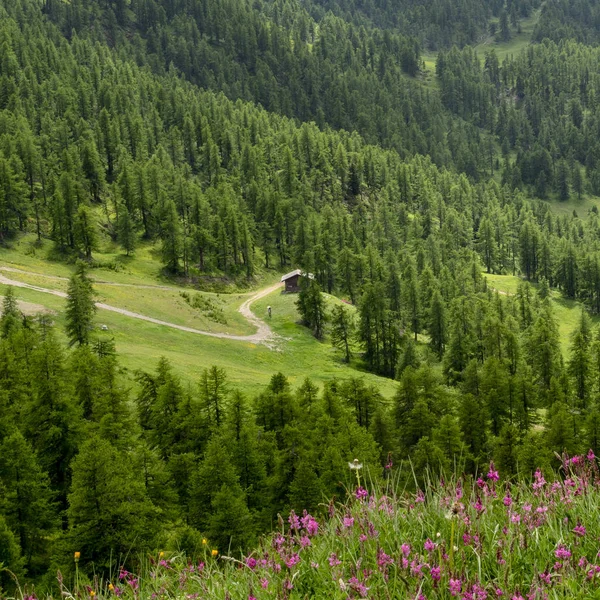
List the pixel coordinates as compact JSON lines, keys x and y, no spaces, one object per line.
{"x":292,"y":561}
{"x":429,"y":545}
{"x":359,"y":587}
{"x":507,"y":500}
{"x":334,"y":560}
{"x":311,"y":525}
{"x":361,"y":493}
{"x":383,"y":559}
{"x":579,"y":530}
{"x":562,"y":552}
{"x":590,"y":455}
{"x":455,"y":585}
{"x":492,"y":473}
{"x":545,"y":577}
{"x":436,"y":573}
{"x":405,"y":550}
{"x":294,"y":521}
{"x":389,"y":463}
{"x":348,"y":521}
{"x":539,"y":480}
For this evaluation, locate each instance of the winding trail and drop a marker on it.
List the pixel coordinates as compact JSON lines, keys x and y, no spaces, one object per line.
{"x":263,"y":334}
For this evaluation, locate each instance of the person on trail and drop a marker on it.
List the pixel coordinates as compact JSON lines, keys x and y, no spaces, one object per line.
{"x":269,"y":311}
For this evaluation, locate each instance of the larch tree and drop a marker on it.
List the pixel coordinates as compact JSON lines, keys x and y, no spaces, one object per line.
{"x":109,"y":514}
{"x":342,"y":330}
{"x":81,"y":307}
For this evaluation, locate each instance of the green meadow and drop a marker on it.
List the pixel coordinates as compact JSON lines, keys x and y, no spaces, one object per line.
{"x":140,"y":344}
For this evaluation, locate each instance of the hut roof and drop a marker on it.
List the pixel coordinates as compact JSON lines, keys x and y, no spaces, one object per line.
{"x":295,"y":273}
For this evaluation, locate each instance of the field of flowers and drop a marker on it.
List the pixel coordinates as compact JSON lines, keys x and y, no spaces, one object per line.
{"x":463,"y":538}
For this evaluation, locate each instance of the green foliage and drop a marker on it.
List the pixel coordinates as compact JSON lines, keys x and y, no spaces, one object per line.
{"x":106,"y":136}
{"x":11,"y":563}
{"x":80,"y":307}
{"x":27,"y":503}
{"x":311,"y":306}
{"x":342,"y":330}
{"x":110,"y":514}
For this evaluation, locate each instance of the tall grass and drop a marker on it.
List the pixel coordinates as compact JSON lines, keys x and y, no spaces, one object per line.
{"x":466,"y":538}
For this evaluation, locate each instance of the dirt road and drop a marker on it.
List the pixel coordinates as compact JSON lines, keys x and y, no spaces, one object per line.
{"x":263,"y":335}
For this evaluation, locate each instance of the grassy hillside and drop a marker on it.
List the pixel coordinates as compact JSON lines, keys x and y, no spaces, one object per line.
{"x":140,"y":344}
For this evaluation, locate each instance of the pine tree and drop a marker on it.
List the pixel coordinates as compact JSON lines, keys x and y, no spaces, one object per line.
{"x":213,"y":393}
{"x":437,"y":324}
{"x":85,"y":232}
{"x":579,"y":367}
{"x":10,"y":559}
{"x":507,"y":448}
{"x":27,"y":504}
{"x":411,"y":298}
{"x":342,"y":330}
{"x":311,"y":307}
{"x":447,"y":436}
{"x":562,"y":181}
{"x":504,"y":26}
{"x":11,"y":315}
{"x":80,"y":308}
{"x":126,"y":233}
{"x":110,"y":514}
{"x":171,"y":238}
{"x":51,"y":418}
{"x":562,"y":430}
{"x":473,"y":421}
{"x":543,"y":346}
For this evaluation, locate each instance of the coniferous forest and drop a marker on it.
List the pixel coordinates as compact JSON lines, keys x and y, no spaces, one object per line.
{"x":408,"y":154}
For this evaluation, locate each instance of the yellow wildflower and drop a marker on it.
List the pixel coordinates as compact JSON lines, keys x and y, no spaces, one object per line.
{"x":215,"y":552}
{"x":204,"y":541}
{"x":76,"y":556}
{"x":92,"y":593}
{"x":111,"y":587}
{"x":161,"y":554}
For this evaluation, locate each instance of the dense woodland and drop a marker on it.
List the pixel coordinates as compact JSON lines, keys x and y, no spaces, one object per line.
{"x":239,"y":135}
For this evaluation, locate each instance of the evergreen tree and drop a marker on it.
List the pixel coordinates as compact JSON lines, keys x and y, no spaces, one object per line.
{"x":213,"y":393}
{"x":85,"y":232}
{"x":437,"y":324}
{"x":342,"y":330}
{"x":171,"y":238}
{"x":579,"y":367}
{"x":80,"y":308}
{"x":27,"y":502}
{"x":10,"y":558}
{"x":11,"y":315}
{"x":126,"y":233}
{"x":311,"y":307}
{"x":110,"y":514}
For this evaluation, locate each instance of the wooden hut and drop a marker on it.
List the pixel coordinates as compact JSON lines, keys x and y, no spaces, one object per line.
{"x":293,"y":280}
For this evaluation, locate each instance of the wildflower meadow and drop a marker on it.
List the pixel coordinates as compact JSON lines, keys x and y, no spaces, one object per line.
{"x":463,"y":538}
